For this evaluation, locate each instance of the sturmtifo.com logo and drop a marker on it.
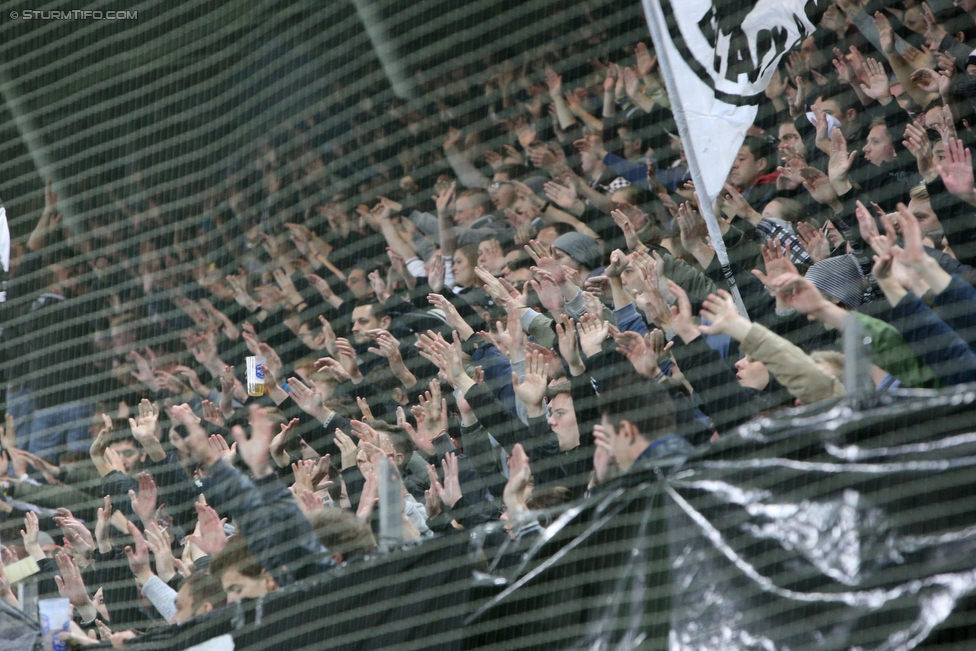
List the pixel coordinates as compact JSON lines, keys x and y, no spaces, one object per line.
{"x":734,"y":45}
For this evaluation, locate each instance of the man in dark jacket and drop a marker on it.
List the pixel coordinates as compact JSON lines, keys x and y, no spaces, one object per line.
{"x":56,"y":337}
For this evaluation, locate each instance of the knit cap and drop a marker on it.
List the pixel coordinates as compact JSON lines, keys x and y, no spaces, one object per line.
{"x":839,"y":278}
{"x":581,"y":248}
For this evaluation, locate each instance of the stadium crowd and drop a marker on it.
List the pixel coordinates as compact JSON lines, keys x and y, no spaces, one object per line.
{"x":518,"y":317}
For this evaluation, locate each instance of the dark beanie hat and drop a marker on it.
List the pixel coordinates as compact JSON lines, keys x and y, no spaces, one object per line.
{"x":581,"y":248}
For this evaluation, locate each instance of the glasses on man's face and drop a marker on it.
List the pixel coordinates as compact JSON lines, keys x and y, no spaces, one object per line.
{"x":498,"y":184}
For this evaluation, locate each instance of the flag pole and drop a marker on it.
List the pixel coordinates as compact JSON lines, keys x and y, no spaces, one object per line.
{"x":655,"y":22}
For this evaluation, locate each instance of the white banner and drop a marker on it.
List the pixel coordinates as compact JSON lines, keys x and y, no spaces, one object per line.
{"x":717,"y":57}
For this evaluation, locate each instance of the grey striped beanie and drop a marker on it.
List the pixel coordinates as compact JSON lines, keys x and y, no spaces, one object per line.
{"x":839,"y":278}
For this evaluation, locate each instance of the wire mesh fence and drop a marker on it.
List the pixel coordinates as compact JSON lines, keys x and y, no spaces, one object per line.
{"x":357,"y":324}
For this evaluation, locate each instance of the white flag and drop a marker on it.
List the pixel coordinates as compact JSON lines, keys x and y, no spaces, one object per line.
{"x":718,"y":56}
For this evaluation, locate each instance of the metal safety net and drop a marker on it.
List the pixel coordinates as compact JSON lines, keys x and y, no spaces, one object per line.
{"x":360,"y":324}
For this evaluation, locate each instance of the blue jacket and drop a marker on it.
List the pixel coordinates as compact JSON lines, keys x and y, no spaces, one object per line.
{"x":933,"y":342}
{"x":957,"y":307}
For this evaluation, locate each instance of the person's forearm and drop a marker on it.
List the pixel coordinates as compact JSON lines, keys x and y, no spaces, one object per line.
{"x":154,"y":449}
{"x":702,"y":253}
{"x":467,"y":174}
{"x":463,"y":383}
{"x":215,"y":366}
{"x":277,"y":394}
{"x":537,"y":410}
{"x":404,"y":249}
{"x":597,"y":199}
{"x":642,"y":101}
{"x":621,"y":297}
{"x":892,"y":289}
{"x":609,"y":104}
{"x":36,"y":240}
{"x":100,"y":465}
{"x":563,"y":114}
{"x":161,"y":596}
{"x":34,"y":551}
{"x":903,"y":71}
{"x":832,"y":316}
{"x":447,"y":234}
{"x":402,"y":373}
{"x":752,"y":216}
{"x":86,"y":611}
{"x":588,"y":118}
{"x":557,"y":215}
{"x":932,"y":274}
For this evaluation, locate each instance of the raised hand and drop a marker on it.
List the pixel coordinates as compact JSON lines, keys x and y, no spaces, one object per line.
{"x":813,"y":240}
{"x":348,"y":449}
{"x":645,"y":60}
{"x":30,"y":534}
{"x":144,"y":505}
{"x":562,"y":196}
{"x":160,"y":545}
{"x":912,"y":253}
{"x":845,"y":73}
{"x":548,"y":292}
{"x":885,"y":33}
{"x":277,"y":446}
{"x":212,"y":537}
{"x":193,"y":379}
{"x":332,"y":366}
{"x":212,"y":414}
{"x":432,"y":502}
{"x":320,"y":285}
{"x":76,"y":533}
{"x":593,"y":331}
{"x":638,"y":351}
{"x":364,"y":408}
{"x":877,"y":87}
{"x":144,"y":426}
{"x":445,"y":199}
{"x":347,"y":357}
{"x":777,"y":262}
{"x":631,"y":82}
{"x":369,"y":497}
{"x":435,"y":272}
{"x":568,"y":345}
{"x":450,"y":491}
{"x":917,"y":142}
{"x":604,"y":463}
{"x":926,"y":79}
{"x":957,"y":170}
{"x":681,"y":318}
{"x":802,"y":294}
{"x":724,"y":318}
{"x":532,"y":388}
{"x":226,"y":452}
{"x":70,"y":584}
{"x":255,"y":451}
{"x":554,"y":82}
{"x":138,"y":556}
{"x":513,"y":495}
{"x":840,"y":161}
{"x":451,"y":315}
{"x":102,"y":533}
{"x":419,"y":436}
